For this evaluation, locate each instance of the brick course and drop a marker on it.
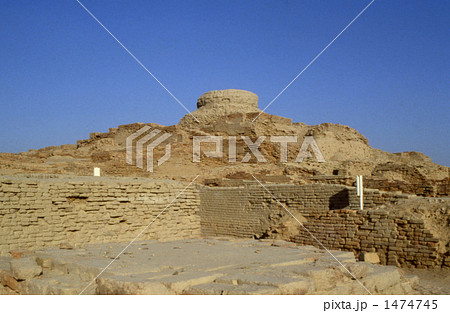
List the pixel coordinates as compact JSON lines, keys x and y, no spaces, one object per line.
{"x":38,"y":213}
{"x":333,"y":217}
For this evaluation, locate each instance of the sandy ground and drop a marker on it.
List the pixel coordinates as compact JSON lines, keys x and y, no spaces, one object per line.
{"x":431,"y":281}
{"x":212,"y":266}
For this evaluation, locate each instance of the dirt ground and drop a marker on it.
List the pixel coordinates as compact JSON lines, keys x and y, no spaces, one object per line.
{"x":215,"y":266}
{"x":200,"y":266}
{"x":431,"y":281}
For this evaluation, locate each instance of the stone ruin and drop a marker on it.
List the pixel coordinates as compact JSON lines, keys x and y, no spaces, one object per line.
{"x":236,"y":97}
{"x":61,"y":225}
{"x":231,"y":113}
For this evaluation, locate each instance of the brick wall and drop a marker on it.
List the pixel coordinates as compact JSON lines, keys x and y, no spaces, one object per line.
{"x":44,"y":212}
{"x":333,"y":217}
{"x":38,"y":212}
{"x":222,"y":207}
{"x":398,"y":240}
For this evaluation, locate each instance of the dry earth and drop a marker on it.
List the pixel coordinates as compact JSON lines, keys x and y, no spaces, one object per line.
{"x":201,"y":266}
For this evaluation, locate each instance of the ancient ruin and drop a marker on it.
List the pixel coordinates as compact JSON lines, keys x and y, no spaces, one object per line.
{"x":243,"y":226}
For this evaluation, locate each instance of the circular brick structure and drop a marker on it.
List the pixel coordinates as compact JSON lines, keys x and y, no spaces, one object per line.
{"x":228,"y":96}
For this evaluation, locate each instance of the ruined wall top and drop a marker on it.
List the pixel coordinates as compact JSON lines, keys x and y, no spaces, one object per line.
{"x":228,"y":96}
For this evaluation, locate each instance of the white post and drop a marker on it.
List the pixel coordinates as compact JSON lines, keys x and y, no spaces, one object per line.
{"x":360,"y":190}
{"x":96,"y":171}
{"x":357,"y":185}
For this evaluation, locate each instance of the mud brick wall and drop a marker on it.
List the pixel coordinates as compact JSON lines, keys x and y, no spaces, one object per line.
{"x":44,"y":212}
{"x":398,"y":240}
{"x":238,"y":211}
{"x":333,"y":216}
{"x":430,"y":188}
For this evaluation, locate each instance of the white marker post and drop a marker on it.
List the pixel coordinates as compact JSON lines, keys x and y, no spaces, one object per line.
{"x":96,"y":171}
{"x":359,"y":190}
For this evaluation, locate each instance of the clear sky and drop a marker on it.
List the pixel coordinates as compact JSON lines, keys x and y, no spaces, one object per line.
{"x":62,"y":76}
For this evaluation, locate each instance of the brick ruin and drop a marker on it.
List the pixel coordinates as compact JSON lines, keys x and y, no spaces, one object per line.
{"x":59,"y":223}
{"x":38,"y":213}
{"x":49,"y":210}
{"x":233,"y":114}
{"x":331,"y":213}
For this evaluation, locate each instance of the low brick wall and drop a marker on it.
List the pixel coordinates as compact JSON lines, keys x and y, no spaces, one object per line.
{"x":429,"y":188}
{"x":398,"y":240}
{"x":38,"y":212}
{"x":44,"y":212}
{"x":333,"y":217}
{"x":239,"y":211}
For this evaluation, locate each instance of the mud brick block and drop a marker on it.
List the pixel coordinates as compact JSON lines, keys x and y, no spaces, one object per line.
{"x":21,"y":253}
{"x":8,"y":280}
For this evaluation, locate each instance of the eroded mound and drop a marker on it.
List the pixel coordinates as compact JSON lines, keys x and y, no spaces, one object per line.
{"x":231,"y":114}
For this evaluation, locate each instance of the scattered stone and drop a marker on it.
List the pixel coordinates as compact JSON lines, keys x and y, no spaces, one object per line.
{"x":128,"y":286}
{"x":25,"y":268}
{"x":20,"y":254}
{"x":370,"y":257}
{"x":202,"y":266}
{"x":359,"y":270}
{"x":44,"y":262}
{"x":65,"y":245}
{"x":8,"y":280}
{"x":383,"y":280}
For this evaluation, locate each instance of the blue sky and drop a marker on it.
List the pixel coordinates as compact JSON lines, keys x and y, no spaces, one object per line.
{"x":62,"y":76}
